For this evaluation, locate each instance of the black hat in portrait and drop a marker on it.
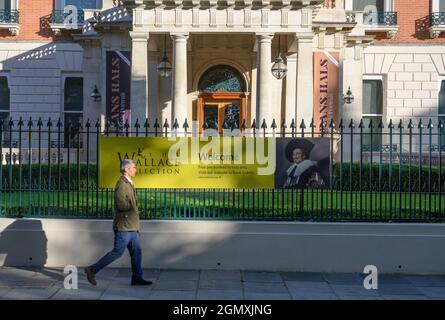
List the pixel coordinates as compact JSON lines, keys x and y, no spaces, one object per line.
{"x":304,"y":145}
{"x":303,"y":171}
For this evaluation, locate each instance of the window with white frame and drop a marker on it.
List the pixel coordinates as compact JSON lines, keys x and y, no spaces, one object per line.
{"x":441,"y":106}
{"x":4,"y":104}
{"x":441,"y":5}
{"x":360,"y":5}
{"x":5,"y":5}
{"x":372,"y":110}
{"x":73,"y":111}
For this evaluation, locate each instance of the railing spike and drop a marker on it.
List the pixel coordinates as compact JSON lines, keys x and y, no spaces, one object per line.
{"x":264,"y":125}
{"x":274,"y":124}
{"x":351,"y":124}
{"x":302,"y":124}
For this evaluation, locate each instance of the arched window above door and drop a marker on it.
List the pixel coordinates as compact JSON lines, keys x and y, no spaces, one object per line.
{"x":221,"y":78}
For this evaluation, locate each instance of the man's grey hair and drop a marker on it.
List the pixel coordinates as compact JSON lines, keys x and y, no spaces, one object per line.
{"x":125,"y":163}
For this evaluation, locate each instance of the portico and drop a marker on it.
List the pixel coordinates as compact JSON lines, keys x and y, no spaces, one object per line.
{"x":239,"y":41}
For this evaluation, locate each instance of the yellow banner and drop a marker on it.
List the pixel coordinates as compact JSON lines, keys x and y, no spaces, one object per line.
{"x":202,"y":162}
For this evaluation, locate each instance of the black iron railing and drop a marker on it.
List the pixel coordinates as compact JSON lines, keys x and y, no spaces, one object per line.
{"x":380,"y":18}
{"x":437,"y":19}
{"x":400,"y":176}
{"x":9,"y":16}
{"x":69,"y":18}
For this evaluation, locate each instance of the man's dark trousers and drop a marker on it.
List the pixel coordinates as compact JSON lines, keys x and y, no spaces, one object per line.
{"x":122,"y":240}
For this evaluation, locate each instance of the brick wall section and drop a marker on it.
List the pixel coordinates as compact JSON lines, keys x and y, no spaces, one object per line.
{"x":35,"y":16}
{"x":413,"y":20}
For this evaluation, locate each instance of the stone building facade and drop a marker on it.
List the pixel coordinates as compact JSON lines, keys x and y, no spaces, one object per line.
{"x":390,"y":53}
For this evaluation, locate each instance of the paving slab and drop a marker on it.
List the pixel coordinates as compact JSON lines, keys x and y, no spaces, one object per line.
{"x":27,"y":283}
{"x":220,"y":284}
{"x":91,"y":293}
{"x":359,"y":297}
{"x":4,"y":291}
{"x":432,"y":292}
{"x":398,"y":289}
{"x":172,"y":295}
{"x":261,"y":276}
{"x":345,"y":278}
{"x":348,"y":290}
{"x":132,"y":293}
{"x":148,"y":274}
{"x":303,"y":276}
{"x":220,"y":275}
{"x":262,"y":287}
{"x":426,"y":281}
{"x":393,"y":279}
{"x":266,"y":296}
{"x":404,"y":297}
{"x":209,"y":294}
{"x":30,"y":293}
{"x":179,"y":285}
{"x":305,"y":287}
{"x":313,"y":296}
{"x":179,"y":275}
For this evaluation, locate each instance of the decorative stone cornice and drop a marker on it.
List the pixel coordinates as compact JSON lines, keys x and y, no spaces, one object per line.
{"x":220,"y":4}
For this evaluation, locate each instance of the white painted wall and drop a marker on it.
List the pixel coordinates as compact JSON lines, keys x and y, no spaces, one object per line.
{"x":273,"y":246}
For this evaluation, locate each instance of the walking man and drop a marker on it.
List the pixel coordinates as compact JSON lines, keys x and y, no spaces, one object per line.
{"x":126,"y":228}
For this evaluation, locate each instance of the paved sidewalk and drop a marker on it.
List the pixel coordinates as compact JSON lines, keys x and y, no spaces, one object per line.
{"x":47,"y":283}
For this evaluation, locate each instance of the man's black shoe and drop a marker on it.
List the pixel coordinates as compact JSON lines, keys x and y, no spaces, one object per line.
{"x":140,"y":282}
{"x":91,"y":277}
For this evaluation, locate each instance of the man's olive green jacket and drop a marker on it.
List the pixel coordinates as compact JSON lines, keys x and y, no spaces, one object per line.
{"x":126,"y":215}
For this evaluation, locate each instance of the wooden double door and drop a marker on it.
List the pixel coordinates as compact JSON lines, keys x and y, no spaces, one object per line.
{"x":222,"y":110}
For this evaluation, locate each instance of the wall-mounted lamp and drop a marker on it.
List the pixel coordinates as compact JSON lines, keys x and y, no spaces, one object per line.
{"x":348,"y":97}
{"x":95,"y":95}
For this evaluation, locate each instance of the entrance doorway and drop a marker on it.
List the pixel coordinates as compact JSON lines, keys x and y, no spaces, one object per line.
{"x":221,"y":111}
{"x":222,"y":102}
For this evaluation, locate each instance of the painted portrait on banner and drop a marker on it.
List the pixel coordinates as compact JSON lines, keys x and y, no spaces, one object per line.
{"x":302,"y":163}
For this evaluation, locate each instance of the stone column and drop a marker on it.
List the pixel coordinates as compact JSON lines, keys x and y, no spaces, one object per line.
{"x":139,"y":77}
{"x":264,"y":83}
{"x":352,"y":77}
{"x":153,"y":88}
{"x":305,"y":79}
{"x":93,"y":66}
{"x":339,"y":4}
{"x":291,"y":89}
{"x":179,"y":84}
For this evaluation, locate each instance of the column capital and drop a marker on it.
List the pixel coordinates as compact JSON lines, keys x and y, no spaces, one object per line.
{"x":139,"y":36}
{"x":264,"y":35}
{"x":179,"y":35}
{"x":304,"y":36}
{"x":291,"y":57}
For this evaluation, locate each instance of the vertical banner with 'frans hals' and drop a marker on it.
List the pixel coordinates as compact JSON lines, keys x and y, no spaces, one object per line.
{"x":118,"y":86}
{"x":326,"y":79}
